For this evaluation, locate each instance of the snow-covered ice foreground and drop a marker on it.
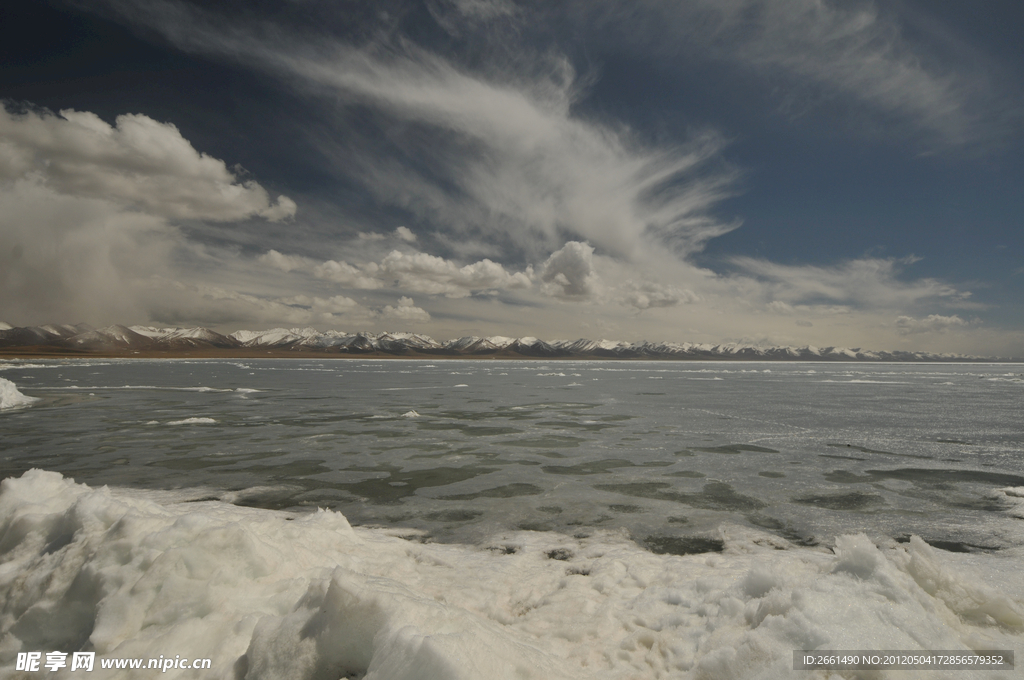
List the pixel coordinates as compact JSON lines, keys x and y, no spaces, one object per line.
{"x":267,"y":594}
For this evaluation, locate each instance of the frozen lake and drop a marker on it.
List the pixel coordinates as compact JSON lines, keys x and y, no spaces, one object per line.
{"x":466,"y":448}
{"x":755,"y":477}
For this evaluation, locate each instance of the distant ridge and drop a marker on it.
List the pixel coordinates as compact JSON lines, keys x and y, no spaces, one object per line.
{"x":117,"y":340}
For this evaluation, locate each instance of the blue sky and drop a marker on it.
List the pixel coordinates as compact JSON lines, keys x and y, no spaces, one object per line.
{"x":798,"y":172}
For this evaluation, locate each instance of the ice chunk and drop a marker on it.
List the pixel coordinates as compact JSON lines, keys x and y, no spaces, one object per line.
{"x":1014,"y":496}
{"x":193,"y":421}
{"x":10,"y":397}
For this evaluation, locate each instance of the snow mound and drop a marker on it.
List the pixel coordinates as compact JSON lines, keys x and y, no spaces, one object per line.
{"x":270,"y":595}
{"x":10,"y":397}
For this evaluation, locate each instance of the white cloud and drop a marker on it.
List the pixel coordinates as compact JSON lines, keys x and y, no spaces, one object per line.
{"x":507,"y":156}
{"x":406,"y":311}
{"x":138,"y":163}
{"x":485,"y":9}
{"x":405,"y":234}
{"x":173,"y":302}
{"x":569,"y":272}
{"x":360,"y":277}
{"x":854,"y":49}
{"x":348,"y":275}
{"x":540,"y":171}
{"x":508,"y":167}
{"x":814,"y":53}
{"x":433,"y":275}
{"x":820,"y":310}
{"x":648,"y":295}
{"x":88,"y":211}
{"x":415,"y":272}
{"x":70,"y":259}
{"x":870,"y":283}
{"x":285,"y":263}
{"x":933,"y":323}
{"x":780,"y":307}
{"x":337,"y":304}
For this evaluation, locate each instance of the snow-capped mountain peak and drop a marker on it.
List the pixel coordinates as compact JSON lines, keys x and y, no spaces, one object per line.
{"x":176,"y":340}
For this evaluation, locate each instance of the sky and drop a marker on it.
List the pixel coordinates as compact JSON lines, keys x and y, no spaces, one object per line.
{"x":778,"y":172}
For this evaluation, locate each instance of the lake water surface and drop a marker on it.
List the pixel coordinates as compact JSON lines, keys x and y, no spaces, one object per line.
{"x":663,"y":460}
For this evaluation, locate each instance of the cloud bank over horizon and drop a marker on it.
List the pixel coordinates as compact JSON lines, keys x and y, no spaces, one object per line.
{"x":481,"y":185}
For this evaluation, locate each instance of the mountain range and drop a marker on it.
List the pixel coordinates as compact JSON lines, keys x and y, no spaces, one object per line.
{"x":81,"y":339}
